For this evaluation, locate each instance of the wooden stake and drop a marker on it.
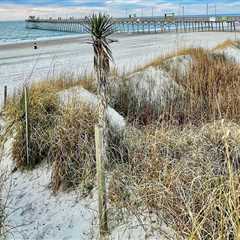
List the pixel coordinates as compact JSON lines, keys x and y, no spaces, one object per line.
{"x":5,"y":96}
{"x":27,"y":125}
{"x":102,"y":201}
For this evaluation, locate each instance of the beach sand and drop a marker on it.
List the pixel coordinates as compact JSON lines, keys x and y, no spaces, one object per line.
{"x":20,"y":63}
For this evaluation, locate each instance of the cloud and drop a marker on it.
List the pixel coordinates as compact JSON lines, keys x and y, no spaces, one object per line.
{"x":20,"y":9}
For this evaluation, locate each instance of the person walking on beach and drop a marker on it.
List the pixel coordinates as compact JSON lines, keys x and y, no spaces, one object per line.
{"x":35,"y":46}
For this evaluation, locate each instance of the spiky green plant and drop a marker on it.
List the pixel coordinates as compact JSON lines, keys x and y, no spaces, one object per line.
{"x":100,"y":28}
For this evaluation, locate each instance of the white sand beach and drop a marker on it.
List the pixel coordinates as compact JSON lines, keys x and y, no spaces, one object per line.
{"x":20,"y":63}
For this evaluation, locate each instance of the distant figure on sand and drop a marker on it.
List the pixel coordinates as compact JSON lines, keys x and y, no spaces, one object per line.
{"x":35,"y":45}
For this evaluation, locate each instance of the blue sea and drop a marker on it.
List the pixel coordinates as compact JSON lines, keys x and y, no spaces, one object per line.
{"x":12,"y":32}
{"x":15,"y":31}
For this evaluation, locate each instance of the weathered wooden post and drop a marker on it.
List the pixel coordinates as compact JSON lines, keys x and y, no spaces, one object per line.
{"x":5,"y":97}
{"x":27,"y":125}
{"x":100,"y":165}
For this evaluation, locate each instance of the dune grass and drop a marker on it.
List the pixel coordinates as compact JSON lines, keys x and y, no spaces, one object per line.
{"x":60,"y":134}
{"x":210,"y":86}
{"x":226,"y":44}
{"x":68,"y":80}
{"x":179,"y":164}
{"x":43,"y":109}
{"x":72,"y":151}
{"x":187,"y":178}
{"x":3,"y":228}
{"x":183,"y":165}
{"x":160,"y":61}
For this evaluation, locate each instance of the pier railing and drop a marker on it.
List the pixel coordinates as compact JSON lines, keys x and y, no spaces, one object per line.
{"x":142,"y":24}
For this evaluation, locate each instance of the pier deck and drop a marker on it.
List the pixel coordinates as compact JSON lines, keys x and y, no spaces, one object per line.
{"x":143,"y":24}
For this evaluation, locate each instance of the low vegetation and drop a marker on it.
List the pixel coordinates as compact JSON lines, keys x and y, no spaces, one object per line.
{"x":61,"y":135}
{"x":211,"y":86}
{"x":228,"y":43}
{"x":44,"y":106}
{"x":183,"y":165}
{"x":68,"y":80}
{"x":179,"y":164}
{"x":44,"y":111}
{"x":187,"y":178}
{"x":3,"y":229}
{"x":72,"y":150}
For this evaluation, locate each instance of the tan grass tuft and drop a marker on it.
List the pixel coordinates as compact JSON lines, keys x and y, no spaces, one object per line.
{"x":68,"y":80}
{"x":43,"y":108}
{"x":72,"y":150}
{"x":211,"y":89}
{"x":226,"y":44}
{"x":183,"y":177}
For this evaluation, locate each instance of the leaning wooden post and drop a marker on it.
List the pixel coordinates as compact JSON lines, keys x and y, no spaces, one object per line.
{"x":5,"y":96}
{"x":100,"y":165}
{"x":27,"y":125}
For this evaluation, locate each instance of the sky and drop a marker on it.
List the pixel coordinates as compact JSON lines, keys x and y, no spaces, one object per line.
{"x":20,"y":9}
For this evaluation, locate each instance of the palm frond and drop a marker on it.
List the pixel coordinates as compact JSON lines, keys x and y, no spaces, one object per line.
{"x":100,"y":27}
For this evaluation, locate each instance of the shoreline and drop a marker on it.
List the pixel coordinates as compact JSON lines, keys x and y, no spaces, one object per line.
{"x":60,"y":40}
{"x":69,"y":40}
{"x":41,"y":42}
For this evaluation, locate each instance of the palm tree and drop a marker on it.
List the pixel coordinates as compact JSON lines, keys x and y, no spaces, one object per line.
{"x":100,"y":28}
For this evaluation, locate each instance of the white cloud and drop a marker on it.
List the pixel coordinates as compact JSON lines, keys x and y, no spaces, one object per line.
{"x":17,"y":12}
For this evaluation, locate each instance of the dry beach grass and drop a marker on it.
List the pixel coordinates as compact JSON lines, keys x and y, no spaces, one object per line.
{"x":2,"y":212}
{"x":212,"y":86}
{"x":187,"y":178}
{"x":179,"y":164}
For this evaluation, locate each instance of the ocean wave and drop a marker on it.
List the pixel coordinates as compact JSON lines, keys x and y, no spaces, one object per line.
{"x":15,"y":32}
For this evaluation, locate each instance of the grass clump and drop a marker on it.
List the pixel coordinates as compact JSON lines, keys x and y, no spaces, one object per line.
{"x":187,"y":178}
{"x":63,"y":135}
{"x":228,"y":43}
{"x":3,"y":227}
{"x":134,"y":108}
{"x":212,"y":85}
{"x":73,"y":152}
{"x":43,"y":109}
{"x":141,"y":98}
{"x":68,"y":80}
{"x":73,"y":149}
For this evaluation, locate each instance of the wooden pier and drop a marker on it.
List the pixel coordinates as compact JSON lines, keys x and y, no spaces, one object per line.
{"x":143,"y":24}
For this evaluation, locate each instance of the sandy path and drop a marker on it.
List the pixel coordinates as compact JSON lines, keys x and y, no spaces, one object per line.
{"x":18,"y":61}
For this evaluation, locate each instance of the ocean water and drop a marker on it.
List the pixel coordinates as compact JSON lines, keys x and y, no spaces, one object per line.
{"x":15,"y":31}
{"x":12,"y":32}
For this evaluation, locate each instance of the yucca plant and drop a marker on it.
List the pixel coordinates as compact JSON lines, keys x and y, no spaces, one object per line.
{"x":100,"y":28}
